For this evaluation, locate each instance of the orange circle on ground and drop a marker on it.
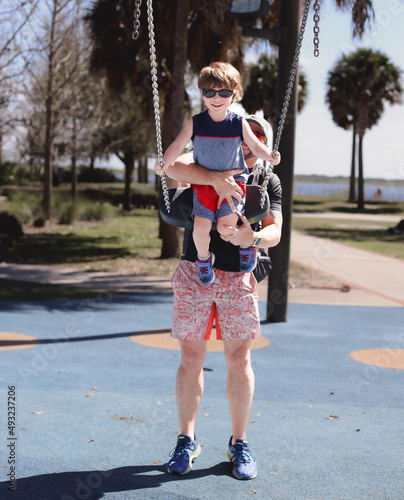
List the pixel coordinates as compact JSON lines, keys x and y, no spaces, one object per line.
{"x":384,"y":358}
{"x":10,"y":341}
{"x":165,"y":341}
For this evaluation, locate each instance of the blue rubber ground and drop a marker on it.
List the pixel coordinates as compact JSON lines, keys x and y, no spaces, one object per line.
{"x":324,"y":427}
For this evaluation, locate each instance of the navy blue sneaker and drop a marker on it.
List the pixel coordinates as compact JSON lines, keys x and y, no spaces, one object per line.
{"x":183,"y":455}
{"x":248,"y":259}
{"x":205,"y":270}
{"x":244,"y":463}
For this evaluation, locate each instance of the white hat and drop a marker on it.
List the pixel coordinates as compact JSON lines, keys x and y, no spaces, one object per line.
{"x":261,"y":123}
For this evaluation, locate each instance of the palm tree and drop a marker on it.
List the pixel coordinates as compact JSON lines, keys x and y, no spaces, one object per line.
{"x":260,"y":93}
{"x":359,"y":85}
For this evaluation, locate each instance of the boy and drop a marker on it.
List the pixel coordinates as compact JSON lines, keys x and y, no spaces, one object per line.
{"x":217,"y":135}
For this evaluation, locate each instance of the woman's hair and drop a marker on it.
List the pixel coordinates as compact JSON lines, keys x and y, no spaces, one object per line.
{"x":220,"y":74}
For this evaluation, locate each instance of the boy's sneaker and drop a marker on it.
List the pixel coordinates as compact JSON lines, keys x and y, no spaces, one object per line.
{"x":245,"y":466}
{"x":205,"y":270}
{"x":183,"y":455}
{"x":248,"y":259}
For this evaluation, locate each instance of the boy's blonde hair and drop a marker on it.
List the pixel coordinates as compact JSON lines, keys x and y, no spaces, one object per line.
{"x":220,"y":74}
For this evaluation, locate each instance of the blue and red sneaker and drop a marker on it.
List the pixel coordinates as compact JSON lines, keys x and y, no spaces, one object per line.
{"x":245,"y":466}
{"x":205,"y":270}
{"x":248,"y":259}
{"x":183,"y":455}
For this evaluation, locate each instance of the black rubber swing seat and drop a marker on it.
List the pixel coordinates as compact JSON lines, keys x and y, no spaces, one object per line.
{"x":181,"y":206}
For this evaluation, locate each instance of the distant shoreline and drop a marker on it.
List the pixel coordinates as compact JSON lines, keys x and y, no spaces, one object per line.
{"x":340,"y":180}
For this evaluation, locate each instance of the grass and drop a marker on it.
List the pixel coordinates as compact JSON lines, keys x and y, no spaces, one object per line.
{"x":129,"y":243}
{"x":363,"y":233}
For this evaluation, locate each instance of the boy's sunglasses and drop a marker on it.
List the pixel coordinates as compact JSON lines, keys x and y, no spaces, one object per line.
{"x":259,"y":136}
{"x":211,"y":93}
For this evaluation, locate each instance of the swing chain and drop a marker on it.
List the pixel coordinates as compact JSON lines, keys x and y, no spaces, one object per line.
{"x":156,"y":105}
{"x":136,"y":21}
{"x":316,"y":29}
{"x":289,"y":90}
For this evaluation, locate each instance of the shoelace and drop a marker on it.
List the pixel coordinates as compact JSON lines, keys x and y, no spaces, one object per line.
{"x":203,"y":266}
{"x":244,"y":455}
{"x":179,"y":450}
{"x":204,"y":269}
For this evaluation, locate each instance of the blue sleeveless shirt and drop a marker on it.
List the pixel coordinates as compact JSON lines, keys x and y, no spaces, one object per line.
{"x":217,"y":145}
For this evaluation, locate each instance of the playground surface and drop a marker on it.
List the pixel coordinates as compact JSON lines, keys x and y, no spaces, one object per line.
{"x":93,"y":382}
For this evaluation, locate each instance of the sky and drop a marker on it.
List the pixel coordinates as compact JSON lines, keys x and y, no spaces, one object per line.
{"x":322,"y":148}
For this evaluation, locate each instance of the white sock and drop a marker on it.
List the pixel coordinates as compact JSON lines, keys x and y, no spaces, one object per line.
{"x":204,"y":259}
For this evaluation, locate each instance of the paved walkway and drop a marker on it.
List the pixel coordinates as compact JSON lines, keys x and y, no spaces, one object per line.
{"x":374,"y":279}
{"x":96,"y":414}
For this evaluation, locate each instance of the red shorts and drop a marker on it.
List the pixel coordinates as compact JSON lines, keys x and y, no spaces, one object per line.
{"x":231,"y":302}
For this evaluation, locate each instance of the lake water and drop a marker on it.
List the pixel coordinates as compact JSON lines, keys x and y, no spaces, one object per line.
{"x":387,"y":192}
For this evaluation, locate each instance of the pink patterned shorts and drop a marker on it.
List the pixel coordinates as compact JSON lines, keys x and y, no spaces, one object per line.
{"x":231,"y":302}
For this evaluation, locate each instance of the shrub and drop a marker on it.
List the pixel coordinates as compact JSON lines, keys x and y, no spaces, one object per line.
{"x":10,"y":230}
{"x":26,"y":207}
{"x":88,"y":174}
{"x":7,"y":172}
{"x":70,"y":211}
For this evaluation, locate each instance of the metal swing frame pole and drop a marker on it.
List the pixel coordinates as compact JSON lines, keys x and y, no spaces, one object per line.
{"x":278,"y":283}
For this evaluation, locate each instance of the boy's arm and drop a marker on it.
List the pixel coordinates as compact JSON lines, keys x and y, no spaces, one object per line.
{"x":258,"y":149}
{"x":185,"y":170}
{"x":175,"y":148}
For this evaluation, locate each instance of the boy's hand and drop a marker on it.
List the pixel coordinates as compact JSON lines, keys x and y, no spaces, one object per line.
{"x":160,"y":169}
{"x":275,"y":158}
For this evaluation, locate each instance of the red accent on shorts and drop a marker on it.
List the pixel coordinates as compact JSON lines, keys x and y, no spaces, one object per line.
{"x":208,"y":196}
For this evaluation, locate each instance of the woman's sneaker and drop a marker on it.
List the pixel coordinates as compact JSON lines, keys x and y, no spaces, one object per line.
{"x":205,"y":270}
{"x":183,"y":455}
{"x":248,"y":259}
{"x":245,"y":466}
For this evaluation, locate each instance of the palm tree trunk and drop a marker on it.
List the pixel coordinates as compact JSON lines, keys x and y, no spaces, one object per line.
{"x":351,"y":196}
{"x":361,"y":200}
{"x":170,"y":234}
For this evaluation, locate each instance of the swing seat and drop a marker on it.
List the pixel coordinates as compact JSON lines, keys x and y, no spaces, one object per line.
{"x":181,"y":205}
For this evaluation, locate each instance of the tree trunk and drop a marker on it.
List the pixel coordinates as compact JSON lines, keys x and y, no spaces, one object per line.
{"x":361,"y":199}
{"x":47,"y":187}
{"x":1,"y":146}
{"x":129,"y":161}
{"x":352,"y":194}
{"x":142,"y":173}
{"x":74,"y":160}
{"x":171,"y":234}
{"x":31,"y":168}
